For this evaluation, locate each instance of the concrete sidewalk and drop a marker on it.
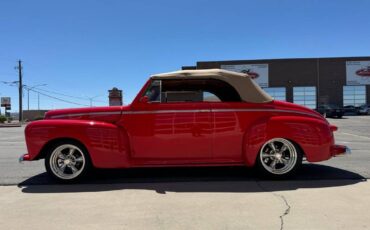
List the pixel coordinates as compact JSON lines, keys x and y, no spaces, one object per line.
{"x":323,"y":204}
{"x":9,"y":125}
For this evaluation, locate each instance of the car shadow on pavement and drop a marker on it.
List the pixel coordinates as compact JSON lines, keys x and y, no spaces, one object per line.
{"x":204,"y":179}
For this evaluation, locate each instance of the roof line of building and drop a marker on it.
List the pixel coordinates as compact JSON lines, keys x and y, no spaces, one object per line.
{"x":283,"y":59}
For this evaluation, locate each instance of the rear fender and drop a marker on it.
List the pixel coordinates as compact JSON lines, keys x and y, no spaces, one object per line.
{"x":312,"y":135}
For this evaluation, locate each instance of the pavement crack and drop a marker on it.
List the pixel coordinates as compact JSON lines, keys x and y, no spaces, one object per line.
{"x":281,"y":197}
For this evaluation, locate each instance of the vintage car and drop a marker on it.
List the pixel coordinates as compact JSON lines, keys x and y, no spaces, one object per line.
{"x":184,"y":118}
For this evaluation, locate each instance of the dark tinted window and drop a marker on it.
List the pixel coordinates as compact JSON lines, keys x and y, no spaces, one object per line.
{"x":197,"y":90}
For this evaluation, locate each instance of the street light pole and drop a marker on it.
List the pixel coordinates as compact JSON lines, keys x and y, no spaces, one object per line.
{"x":38,"y":95}
{"x":28,"y":99}
{"x":91,"y":99}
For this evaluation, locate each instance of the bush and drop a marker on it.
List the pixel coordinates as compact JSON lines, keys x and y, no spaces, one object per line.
{"x":2,"y":119}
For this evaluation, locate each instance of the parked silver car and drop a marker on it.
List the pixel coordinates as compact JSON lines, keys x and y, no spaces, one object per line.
{"x":364,"y":109}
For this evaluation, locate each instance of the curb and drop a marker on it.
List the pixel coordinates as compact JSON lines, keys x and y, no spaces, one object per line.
{"x":10,"y":125}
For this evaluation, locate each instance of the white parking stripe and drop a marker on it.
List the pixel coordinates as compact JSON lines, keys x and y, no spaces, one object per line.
{"x":355,"y":135}
{"x":364,"y":117}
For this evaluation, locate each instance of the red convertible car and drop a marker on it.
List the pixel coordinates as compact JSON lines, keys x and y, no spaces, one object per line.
{"x":185,"y":118}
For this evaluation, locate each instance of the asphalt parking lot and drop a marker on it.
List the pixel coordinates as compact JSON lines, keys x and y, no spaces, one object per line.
{"x":328,"y":195}
{"x":354,"y":131}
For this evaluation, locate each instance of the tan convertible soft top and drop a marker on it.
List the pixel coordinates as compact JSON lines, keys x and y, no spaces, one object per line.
{"x":248,"y":90}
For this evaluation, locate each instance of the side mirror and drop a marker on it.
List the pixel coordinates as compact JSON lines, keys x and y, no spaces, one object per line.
{"x":144,"y":99}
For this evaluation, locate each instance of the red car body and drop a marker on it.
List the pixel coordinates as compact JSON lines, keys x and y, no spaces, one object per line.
{"x":182,"y":134}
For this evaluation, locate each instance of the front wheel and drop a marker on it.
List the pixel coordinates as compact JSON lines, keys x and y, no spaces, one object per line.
{"x":279,"y":158}
{"x":67,"y":161}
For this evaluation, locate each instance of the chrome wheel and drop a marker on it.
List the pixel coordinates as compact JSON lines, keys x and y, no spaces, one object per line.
{"x":278,"y":156}
{"x":67,"y":161}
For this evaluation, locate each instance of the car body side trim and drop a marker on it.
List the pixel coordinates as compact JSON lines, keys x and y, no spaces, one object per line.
{"x":182,"y":111}
{"x":84,"y":114}
{"x":218,"y":110}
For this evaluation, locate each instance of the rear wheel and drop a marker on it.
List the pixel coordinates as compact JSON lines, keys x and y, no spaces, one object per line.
{"x":67,"y":161}
{"x":279,"y":158}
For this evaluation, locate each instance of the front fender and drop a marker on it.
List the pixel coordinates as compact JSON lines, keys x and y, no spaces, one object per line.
{"x":312,"y":135}
{"x":102,"y":140}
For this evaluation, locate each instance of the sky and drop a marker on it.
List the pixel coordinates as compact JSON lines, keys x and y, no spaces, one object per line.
{"x":83,"y":48}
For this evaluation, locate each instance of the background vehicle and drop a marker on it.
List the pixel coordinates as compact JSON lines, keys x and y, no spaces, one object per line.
{"x":350,"y":110}
{"x":329,"y":110}
{"x":364,"y":109}
{"x":184,"y":118}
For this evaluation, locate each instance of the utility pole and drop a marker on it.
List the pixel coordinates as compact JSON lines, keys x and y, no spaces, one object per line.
{"x":20,"y":90}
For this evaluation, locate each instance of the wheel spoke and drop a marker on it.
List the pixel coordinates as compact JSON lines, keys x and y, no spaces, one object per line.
{"x":79,"y":159}
{"x":74,"y":169}
{"x":283,"y":148}
{"x":272,"y":146}
{"x":267,"y":155}
{"x":61,"y":156}
{"x":71,"y":151}
{"x":273,"y":164}
{"x":63,"y":167}
{"x":284,"y":161}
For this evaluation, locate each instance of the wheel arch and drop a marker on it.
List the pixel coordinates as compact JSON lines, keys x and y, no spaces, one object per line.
{"x":53,"y":142}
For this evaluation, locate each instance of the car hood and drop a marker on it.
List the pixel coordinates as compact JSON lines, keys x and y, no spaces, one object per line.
{"x":108,"y":114}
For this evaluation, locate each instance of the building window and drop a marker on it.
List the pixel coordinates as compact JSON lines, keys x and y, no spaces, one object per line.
{"x":354,"y":95}
{"x":305,"y":96}
{"x":278,"y":93}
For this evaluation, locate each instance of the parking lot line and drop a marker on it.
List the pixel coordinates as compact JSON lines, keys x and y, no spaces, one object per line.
{"x":355,"y":135}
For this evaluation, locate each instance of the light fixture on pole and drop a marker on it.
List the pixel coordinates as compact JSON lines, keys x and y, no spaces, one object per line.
{"x":28,"y":95}
{"x":91,"y":99}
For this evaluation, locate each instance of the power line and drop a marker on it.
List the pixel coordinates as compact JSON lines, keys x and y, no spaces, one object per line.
{"x":70,"y":96}
{"x":46,"y":95}
{"x":63,"y":94}
{"x":14,"y":83}
{"x":56,"y":98}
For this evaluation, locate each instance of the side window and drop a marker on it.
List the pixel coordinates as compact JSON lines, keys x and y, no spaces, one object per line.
{"x":154,"y":91}
{"x":197,"y":90}
{"x":210,"y":97}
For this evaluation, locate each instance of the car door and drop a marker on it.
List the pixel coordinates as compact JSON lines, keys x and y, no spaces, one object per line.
{"x":169,"y":130}
{"x":229,"y":124}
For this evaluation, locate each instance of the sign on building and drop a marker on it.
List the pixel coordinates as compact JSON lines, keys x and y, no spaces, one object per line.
{"x":358,"y":72}
{"x":258,"y":72}
{"x":5,"y":102}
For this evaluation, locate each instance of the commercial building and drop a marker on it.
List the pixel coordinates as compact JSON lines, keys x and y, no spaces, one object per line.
{"x":307,"y":81}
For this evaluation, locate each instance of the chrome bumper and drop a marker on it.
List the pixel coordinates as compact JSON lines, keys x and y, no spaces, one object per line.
{"x":24,"y":157}
{"x":348,"y":151}
{"x":340,"y":150}
{"x":21,"y":159}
